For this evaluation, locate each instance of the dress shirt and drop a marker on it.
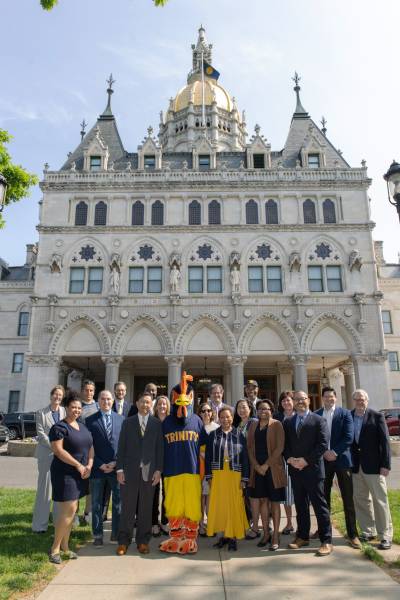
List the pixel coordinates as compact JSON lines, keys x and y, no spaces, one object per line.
{"x":143,"y":421}
{"x":119,"y":405}
{"x":328,"y":416}
{"x":303,"y":418}
{"x":358,"y":421}
{"x":56,"y":415}
{"x":105,"y":414}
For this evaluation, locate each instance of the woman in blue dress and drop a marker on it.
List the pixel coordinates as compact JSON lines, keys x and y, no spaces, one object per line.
{"x":72,"y":445}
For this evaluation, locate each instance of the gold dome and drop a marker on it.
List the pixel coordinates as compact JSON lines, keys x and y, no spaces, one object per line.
{"x":213,"y":91}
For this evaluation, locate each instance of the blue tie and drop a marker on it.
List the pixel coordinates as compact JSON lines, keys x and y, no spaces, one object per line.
{"x":108,"y":426}
{"x":299,"y":424}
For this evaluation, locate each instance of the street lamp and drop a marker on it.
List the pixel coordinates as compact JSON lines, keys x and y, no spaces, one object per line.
{"x":392,"y":178}
{"x":3,"y":191}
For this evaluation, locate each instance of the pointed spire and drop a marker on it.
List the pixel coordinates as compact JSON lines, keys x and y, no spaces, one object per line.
{"x":201,"y":48}
{"x":107,"y":114}
{"x":323,"y":123}
{"x":300,"y":112}
{"x":83,"y":126}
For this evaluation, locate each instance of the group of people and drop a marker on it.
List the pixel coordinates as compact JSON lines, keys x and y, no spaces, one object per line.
{"x":216,"y":473}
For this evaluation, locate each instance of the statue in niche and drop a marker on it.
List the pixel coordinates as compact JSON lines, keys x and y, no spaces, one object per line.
{"x":295,"y":261}
{"x":235,"y":279}
{"x":174,"y":278}
{"x":55,"y":263}
{"x":355,"y":260}
{"x":115,"y":273}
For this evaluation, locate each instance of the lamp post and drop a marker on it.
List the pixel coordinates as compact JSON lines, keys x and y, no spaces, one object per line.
{"x":392,"y":178}
{"x":3,"y":191}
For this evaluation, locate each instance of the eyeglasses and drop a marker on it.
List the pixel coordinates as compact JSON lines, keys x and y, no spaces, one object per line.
{"x":264,"y":408}
{"x":206,"y":410}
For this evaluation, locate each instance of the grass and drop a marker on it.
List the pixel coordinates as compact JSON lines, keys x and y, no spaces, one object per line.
{"x":394,"y":501}
{"x":24,"y":561}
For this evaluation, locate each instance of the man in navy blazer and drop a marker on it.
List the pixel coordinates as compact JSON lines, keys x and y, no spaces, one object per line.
{"x":105,"y":427}
{"x":306,"y":441}
{"x":121,"y":405}
{"x":371,"y":466}
{"x":337,"y":459}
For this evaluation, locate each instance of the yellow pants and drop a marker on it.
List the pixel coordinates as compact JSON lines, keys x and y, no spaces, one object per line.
{"x":183,"y":496}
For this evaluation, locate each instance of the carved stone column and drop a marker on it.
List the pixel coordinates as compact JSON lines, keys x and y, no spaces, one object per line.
{"x":113,"y":301}
{"x":285,"y":377}
{"x":112,"y":371}
{"x":298,"y":301}
{"x":175,"y":300}
{"x":53,"y":301}
{"x":174,"y":371}
{"x":42,"y":375}
{"x":237,"y":377}
{"x":359,"y":299}
{"x":299,"y":362}
{"x":349,"y":383}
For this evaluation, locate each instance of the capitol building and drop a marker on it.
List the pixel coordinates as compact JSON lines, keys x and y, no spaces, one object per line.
{"x":205,"y":249}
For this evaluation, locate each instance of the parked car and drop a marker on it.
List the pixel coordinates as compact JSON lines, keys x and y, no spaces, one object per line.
{"x":392,"y":417}
{"x":4,"y":434}
{"x":15,"y":421}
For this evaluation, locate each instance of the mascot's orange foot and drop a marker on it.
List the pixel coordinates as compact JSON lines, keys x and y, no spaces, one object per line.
{"x":171,"y":545}
{"x":187,"y":546}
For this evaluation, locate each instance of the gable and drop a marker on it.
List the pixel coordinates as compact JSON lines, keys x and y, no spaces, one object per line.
{"x":329,"y":339}
{"x":143,"y":341}
{"x":82,"y":340}
{"x":266,"y":340}
{"x":205,"y":340}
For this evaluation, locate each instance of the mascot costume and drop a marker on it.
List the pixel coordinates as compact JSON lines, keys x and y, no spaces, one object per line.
{"x":183,"y":434}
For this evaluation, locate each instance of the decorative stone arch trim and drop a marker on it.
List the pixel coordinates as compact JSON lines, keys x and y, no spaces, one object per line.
{"x":268,"y":239}
{"x":85,"y":240}
{"x":127,"y":254}
{"x":200,"y":240}
{"x":344,"y":328}
{"x":160,"y":331}
{"x":90,"y":322}
{"x":218,"y":326}
{"x":320,"y":238}
{"x":24,"y":306}
{"x":278,"y":324}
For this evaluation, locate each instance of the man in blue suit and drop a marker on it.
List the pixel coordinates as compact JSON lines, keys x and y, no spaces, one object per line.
{"x":306,"y":441}
{"x":105,"y":427}
{"x":337,"y":459}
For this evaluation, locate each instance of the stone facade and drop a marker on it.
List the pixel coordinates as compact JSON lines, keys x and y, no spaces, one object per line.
{"x":208,"y":250}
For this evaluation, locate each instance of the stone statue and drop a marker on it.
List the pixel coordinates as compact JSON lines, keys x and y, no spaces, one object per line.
{"x":115,"y":273}
{"x":235,"y":279}
{"x":55,"y":263}
{"x":174,"y":278}
{"x":295,"y":261}
{"x":355,"y":260}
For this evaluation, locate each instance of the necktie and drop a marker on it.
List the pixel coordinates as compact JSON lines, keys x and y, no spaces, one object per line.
{"x":120,"y":408}
{"x":142,"y":427}
{"x":108,"y":426}
{"x":299,"y":424}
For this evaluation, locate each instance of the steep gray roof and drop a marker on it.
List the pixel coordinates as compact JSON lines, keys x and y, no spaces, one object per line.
{"x":16,"y":274}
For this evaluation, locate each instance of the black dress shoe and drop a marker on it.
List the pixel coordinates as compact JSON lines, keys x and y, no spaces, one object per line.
{"x":221,"y":542}
{"x":264,"y":541}
{"x":232,"y":545}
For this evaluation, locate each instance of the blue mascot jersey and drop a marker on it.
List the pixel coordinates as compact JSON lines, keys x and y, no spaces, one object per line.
{"x":182,"y":443}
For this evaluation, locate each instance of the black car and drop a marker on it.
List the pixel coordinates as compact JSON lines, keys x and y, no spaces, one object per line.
{"x":18,"y":422}
{"x":4,"y":434}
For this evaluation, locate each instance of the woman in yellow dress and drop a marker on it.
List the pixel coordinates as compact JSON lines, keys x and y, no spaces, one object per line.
{"x":227,"y":471}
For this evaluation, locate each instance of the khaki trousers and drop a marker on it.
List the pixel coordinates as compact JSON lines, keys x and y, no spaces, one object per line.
{"x":372,"y":505}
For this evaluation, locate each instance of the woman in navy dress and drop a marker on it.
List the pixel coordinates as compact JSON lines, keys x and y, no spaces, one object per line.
{"x":72,"y":445}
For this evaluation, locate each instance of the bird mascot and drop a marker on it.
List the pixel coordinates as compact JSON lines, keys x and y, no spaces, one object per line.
{"x":183,"y":434}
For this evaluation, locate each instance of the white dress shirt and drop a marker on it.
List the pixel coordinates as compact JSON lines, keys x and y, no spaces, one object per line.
{"x":328,"y":416}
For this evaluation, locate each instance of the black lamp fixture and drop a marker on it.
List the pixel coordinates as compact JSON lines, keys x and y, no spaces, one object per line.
{"x":392,"y":178}
{"x":3,"y":191}
{"x":205,"y":380}
{"x":324,"y":377}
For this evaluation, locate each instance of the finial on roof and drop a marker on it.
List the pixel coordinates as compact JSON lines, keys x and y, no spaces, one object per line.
{"x":257,"y":129}
{"x":108,"y":112}
{"x":149,"y":131}
{"x":300,"y":112}
{"x":83,"y":126}
{"x":323,"y":123}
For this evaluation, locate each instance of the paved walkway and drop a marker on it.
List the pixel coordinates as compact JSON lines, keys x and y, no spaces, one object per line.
{"x":250,"y":573}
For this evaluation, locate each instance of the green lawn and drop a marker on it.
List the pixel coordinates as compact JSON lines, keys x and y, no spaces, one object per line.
{"x":23,"y":555}
{"x":394,"y":500}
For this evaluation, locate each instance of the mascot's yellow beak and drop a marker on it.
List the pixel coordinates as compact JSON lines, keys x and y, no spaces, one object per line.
{"x":183,"y":399}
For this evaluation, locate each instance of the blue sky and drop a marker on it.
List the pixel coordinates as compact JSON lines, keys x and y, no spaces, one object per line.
{"x":54,"y":66}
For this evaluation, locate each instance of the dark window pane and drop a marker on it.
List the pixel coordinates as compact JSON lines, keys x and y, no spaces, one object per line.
{"x":18,"y":362}
{"x":100,"y":213}
{"x":76,"y":280}
{"x":334,"y":279}
{"x":315,"y":282}
{"x":204,"y":162}
{"x":95,"y":163}
{"x":214,"y":280}
{"x":328,"y":209}
{"x":259,"y":161}
{"x":81,"y":211}
{"x":149,"y":161}
{"x":157,"y":213}
{"x":23,"y":323}
{"x":154,"y":280}
{"x":194,"y":213}
{"x":136,"y":280}
{"x":214,"y":213}
{"x":196,"y":280}
{"x":309,"y":212}
{"x":251,"y":212}
{"x":313,"y":161}
{"x":271,"y":212}
{"x":256,"y":283}
{"x":13,"y":401}
{"x":274,"y":279}
{"x":138,"y":213}
{"x":95,"y":284}
{"x":393,"y":359}
{"x":387,"y":321}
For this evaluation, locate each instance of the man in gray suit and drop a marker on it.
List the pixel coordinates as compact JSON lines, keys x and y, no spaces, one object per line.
{"x":45,"y":419}
{"x":140,"y":458}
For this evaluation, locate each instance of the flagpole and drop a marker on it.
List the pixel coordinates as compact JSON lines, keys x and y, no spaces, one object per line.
{"x":203,"y":111}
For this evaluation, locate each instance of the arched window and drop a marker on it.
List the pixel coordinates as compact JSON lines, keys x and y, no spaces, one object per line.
{"x":251,"y":212}
{"x":157,"y":213}
{"x":81,"y":213}
{"x":271,"y":212}
{"x":309,"y":212}
{"x":138,"y":213}
{"x":328,"y":209}
{"x":194,"y":213}
{"x":214,"y":213}
{"x":100,"y":213}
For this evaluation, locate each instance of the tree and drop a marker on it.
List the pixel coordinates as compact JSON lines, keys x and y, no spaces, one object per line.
{"x":49,"y":4}
{"x":18,"y":180}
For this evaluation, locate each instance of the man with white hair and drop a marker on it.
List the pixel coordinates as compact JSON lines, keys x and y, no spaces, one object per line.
{"x":371,"y":466}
